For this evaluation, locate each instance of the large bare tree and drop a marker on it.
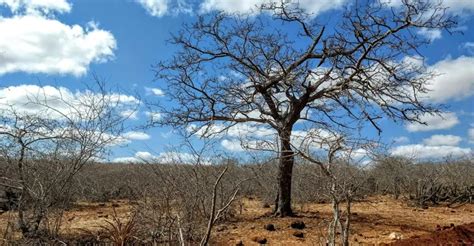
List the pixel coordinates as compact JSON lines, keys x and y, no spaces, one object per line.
{"x":281,"y":66}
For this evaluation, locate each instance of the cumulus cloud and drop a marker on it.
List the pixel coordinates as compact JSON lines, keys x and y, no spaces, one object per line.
{"x":445,"y":120}
{"x":238,"y":130}
{"x":155,"y":91}
{"x":455,"y":79}
{"x":421,"y":151}
{"x":33,"y":41}
{"x":140,"y":156}
{"x":358,"y":156}
{"x":153,"y":116}
{"x":129,"y":159}
{"x":57,"y":102}
{"x":159,"y":8}
{"x":245,"y":144}
{"x":163,"y":158}
{"x":134,"y":135}
{"x":454,"y":6}
{"x":250,"y":6}
{"x":239,"y":137}
{"x":312,"y":139}
{"x":242,"y":137}
{"x":232,"y":6}
{"x":232,"y":145}
{"x":37,"y":44}
{"x":470,"y":134}
{"x":442,"y":140}
{"x":469,"y":47}
{"x":33,"y":6}
{"x":430,"y":34}
{"x":155,"y":7}
{"x":401,"y":140}
{"x":131,"y":114}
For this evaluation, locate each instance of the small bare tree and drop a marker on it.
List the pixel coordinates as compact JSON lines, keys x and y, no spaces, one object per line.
{"x":334,"y":155}
{"x":237,"y":69}
{"x":216,"y":212}
{"x":48,"y":146}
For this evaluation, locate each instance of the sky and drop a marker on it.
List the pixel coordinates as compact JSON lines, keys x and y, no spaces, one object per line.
{"x":57,"y":45}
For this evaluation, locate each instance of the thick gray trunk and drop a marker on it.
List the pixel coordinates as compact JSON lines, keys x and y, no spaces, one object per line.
{"x":285,"y":170}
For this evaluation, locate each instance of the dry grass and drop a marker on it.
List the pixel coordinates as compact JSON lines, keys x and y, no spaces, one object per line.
{"x":83,"y":218}
{"x":120,"y":231}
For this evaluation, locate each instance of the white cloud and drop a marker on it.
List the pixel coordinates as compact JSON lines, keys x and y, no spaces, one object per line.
{"x":33,"y":6}
{"x":247,"y":137}
{"x":155,"y":91}
{"x":442,"y":140}
{"x":421,"y":151}
{"x":430,"y":34}
{"x":312,"y":139}
{"x":469,"y":47}
{"x":238,"y":130}
{"x":459,"y":6}
{"x":241,"y":144}
{"x":129,"y":159}
{"x":360,"y":156}
{"x":434,"y":122}
{"x":163,"y":158}
{"x":140,"y":156}
{"x":454,"y":6}
{"x":232,"y":145}
{"x":180,"y":158}
{"x":38,"y":44}
{"x":134,"y":135}
{"x":159,"y":8}
{"x":155,"y":7}
{"x":401,"y":140}
{"x":143,"y":155}
{"x":470,"y":134}
{"x":153,"y":116}
{"x":455,"y":79}
{"x":250,"y":6}
{"x":231,"y":6}
{"x":131,"y":114}
{"x":59,"y":101}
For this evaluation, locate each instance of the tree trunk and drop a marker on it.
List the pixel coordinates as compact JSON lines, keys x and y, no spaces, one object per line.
{"x":285,"y":170}
{"x":22,"y":220}
{"x":347,"y":224}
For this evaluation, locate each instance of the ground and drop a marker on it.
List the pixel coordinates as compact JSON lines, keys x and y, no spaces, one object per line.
{"x":374,"y":219}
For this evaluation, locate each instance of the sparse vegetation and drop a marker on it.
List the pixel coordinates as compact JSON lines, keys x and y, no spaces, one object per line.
{"x":308,"y":97}
{"x":172,"y":203}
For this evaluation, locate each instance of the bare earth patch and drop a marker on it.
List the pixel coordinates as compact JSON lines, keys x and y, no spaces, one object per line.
{"x":457,"y":235}
{"x":85,"y":218}
{"x":373,"y":221}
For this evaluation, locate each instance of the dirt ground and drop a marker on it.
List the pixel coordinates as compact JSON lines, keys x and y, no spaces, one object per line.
{"x":84,"y":218}
{"x":374,"y":220}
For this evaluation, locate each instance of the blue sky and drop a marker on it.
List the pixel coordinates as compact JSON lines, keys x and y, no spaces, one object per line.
{"x":59,"y":43}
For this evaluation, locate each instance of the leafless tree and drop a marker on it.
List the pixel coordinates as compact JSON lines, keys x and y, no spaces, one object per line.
{"x":215,"y":212}
{"x":283,"y":67}
{"x":342,"y":167}
{"x":47,"y":147}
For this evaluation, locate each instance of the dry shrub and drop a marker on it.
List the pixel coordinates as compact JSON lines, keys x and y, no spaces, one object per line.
{"x":120,"y":231}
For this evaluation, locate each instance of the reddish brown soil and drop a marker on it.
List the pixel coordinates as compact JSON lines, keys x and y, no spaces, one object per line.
{"x":373,"y":222}
{"x":83,"y":219}
{"x":457,"y":235}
